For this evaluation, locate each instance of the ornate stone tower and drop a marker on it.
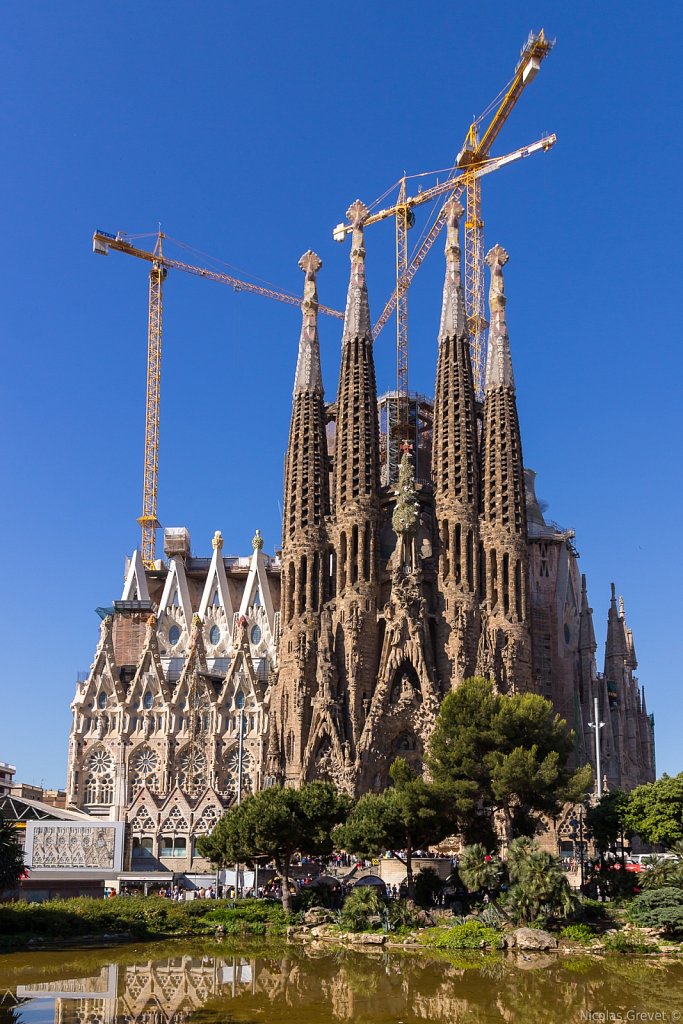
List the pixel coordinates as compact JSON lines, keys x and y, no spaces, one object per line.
{"x":504,"y":645}
{"x":305,"y":548}
{"x":455,"y":474}
{"x":356,"y":497}
{"x":630,"y":724}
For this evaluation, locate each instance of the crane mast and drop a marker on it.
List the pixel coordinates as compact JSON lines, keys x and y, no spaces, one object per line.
{"x":403,"y":217}
{"x":476,"y":150}
{"x":103,"y":242}
{"x":148,"y":520}
{"x":471,"y":160}
{"x":474,"y":279}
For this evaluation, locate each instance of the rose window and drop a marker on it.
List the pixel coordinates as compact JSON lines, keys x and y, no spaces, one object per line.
{"x":232,"y":766}
{"x":191,"y":771}
{"x":144,"y":768}
{"x":100,"y":761}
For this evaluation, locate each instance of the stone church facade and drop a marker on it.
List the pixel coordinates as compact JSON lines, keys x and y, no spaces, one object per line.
{"x":331,"y":659}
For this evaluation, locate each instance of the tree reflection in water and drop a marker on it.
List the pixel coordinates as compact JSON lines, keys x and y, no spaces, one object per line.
{"x":211,"y":985}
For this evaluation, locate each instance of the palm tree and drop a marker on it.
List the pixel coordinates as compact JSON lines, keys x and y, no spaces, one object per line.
{"x":518,"y":852}
{"x":541,"y":887}
{"x":478,"y":869}
{"x":664,"y":871}
{"x":11,"y":860}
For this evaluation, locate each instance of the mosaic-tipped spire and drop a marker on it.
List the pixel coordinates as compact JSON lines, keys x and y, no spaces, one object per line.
{"x":357,"y":316}
{"x":498,"y":360}
{"x":453,"y":316}
{"x":308,"y":376}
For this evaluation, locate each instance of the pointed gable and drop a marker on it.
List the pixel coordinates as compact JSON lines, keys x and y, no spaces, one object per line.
{"x":135,"y":588}
{"x":216,"y":593}
{"x":175,"y":609}
{"x":241,"y":675}
{"x":215,"y":608}
{"x":257,"y":588}
{"x":149,"y":676}
{"x":103,"y":675}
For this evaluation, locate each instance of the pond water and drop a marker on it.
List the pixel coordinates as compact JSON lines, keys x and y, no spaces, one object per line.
{"x":180,"y":983}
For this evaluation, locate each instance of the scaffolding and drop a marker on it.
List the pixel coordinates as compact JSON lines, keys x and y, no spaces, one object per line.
{"x":418,"y":432}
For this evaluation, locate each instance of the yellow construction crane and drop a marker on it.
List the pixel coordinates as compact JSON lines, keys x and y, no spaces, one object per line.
{"x":471,"y":161}
{"x":402,"y":211}
{"x":103,"y":242}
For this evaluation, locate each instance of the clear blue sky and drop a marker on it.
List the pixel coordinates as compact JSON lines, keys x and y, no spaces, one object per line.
{"x":247,"y":130}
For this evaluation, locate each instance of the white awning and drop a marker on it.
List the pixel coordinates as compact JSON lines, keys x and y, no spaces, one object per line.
{"x":146,"y":876}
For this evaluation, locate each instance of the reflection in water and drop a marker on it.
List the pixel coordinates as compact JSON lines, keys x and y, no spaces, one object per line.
{"x":324,"y":985}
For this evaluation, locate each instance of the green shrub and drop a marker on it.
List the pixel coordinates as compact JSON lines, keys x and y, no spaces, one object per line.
{"x":578,"y":933}
{"x":248,"y":917}
{"x":628,"y":942}
{"x":143,"y":917}
{"x":594,"y":910}
{"x":360,"y":906}
{"x":469,"y":935}
{"x":427,"y":885}
{"x":310,"y":896}
{"x":403,"y":917}
{"x":659,"y":908}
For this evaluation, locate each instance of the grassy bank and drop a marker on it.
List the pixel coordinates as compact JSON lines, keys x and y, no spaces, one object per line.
{"x":79,"y":922}
{"x":31,"y":925}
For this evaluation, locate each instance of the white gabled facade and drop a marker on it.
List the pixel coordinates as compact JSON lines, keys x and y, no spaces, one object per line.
{"x":184,"y":660}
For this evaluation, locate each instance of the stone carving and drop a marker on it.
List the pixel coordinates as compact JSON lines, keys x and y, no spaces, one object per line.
{"x":509,"y":656}
{"x":486,"y":652}
{"x":407,"y":509}
{"x":62,"y":846}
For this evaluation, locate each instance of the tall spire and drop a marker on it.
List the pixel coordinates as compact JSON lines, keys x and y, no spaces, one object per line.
{"x":498,"y":360}
{"x":455,"y":472}
{"x":503,"y":495}
{"x":615,"y":647}
{"x":305,"y":545}
{"x":308,"y":376}
{"x":356,"y":491}
{"x":356,"y":460}
{"x":454,"y":449}
{"x":504,"y":557}
{"x":306,"y":474}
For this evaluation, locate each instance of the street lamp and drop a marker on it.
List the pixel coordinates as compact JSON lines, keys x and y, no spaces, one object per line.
{"x":239,"y":704}
{"x":573,"y":821}
{"x":597,"y":725}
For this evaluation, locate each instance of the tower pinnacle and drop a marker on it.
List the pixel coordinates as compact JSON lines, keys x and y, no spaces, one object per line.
{"x":308,"y":376}
{"x":357,"y":316}
{"x":498,"y":360}
{"x":453,"y":317}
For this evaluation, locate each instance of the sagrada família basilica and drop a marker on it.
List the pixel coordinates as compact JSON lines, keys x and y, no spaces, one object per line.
{"x":331,"y":658}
